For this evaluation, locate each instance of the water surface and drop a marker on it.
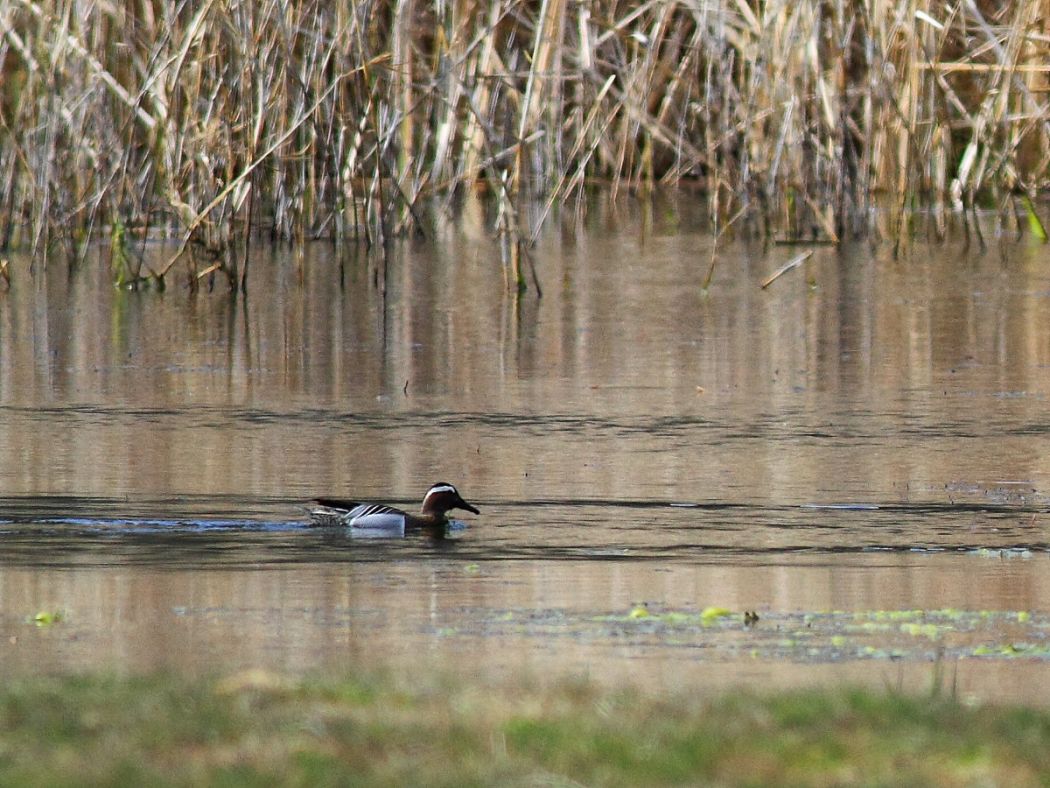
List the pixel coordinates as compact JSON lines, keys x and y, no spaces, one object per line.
{"x":867,"y":436}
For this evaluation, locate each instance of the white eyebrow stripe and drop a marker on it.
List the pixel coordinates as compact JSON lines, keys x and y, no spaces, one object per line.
{"x":441,"y":488}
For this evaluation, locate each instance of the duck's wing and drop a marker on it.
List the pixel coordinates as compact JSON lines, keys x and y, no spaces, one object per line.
{"x":369,"y":516}
{"x":336,"y":503}
{"x":330,"y":511}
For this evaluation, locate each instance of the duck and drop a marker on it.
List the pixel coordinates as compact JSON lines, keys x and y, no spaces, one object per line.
{"x":433,"y":515}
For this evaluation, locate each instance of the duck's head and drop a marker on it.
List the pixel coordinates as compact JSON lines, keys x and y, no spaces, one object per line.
{"x":443,"y":496}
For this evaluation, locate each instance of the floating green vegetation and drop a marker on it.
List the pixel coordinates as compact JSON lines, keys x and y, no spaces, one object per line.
{"x":718,"y":633}
{"x":46,"y":618}
{"x":257,"y":728}
{"x":931,"y":631}
{"x":674,"y":618}
{"x":712,"y":613}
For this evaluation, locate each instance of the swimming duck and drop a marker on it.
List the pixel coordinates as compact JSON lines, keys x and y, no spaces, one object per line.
{"x":433,"y":515}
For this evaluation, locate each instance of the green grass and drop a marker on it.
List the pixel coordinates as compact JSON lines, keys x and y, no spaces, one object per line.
{"x":255,"y":728}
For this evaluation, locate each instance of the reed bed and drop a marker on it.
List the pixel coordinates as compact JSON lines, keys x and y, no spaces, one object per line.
{"x":218,"y":122}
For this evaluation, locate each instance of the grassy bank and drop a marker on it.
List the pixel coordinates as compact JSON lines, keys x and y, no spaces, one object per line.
{"x":258,"y":729}
{"x":212,"y":122}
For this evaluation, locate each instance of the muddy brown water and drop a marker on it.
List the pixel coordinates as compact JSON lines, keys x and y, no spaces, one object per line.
{"x":858,"y":453}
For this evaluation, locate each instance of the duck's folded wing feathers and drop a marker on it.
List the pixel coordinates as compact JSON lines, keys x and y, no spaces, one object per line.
{"x":337,"y":503}
{"x":331,"y":511}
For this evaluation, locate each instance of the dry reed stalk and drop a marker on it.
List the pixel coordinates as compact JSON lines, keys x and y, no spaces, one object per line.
{"x":215,"y":122}
{"x":547,"y":38}
{"x":794,"y":262}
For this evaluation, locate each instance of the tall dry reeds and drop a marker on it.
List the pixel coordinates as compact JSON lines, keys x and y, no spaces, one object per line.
{"x":214,"y":122}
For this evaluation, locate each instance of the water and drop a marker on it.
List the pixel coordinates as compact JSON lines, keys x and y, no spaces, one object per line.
{"x":865,"y":438}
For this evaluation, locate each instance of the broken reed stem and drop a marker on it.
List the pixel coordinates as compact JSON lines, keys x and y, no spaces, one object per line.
{"x":794,"y":262}
{"x":206,"y":122}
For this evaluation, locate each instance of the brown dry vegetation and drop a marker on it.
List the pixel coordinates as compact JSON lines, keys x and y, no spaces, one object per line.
{"x":214,"y":121}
